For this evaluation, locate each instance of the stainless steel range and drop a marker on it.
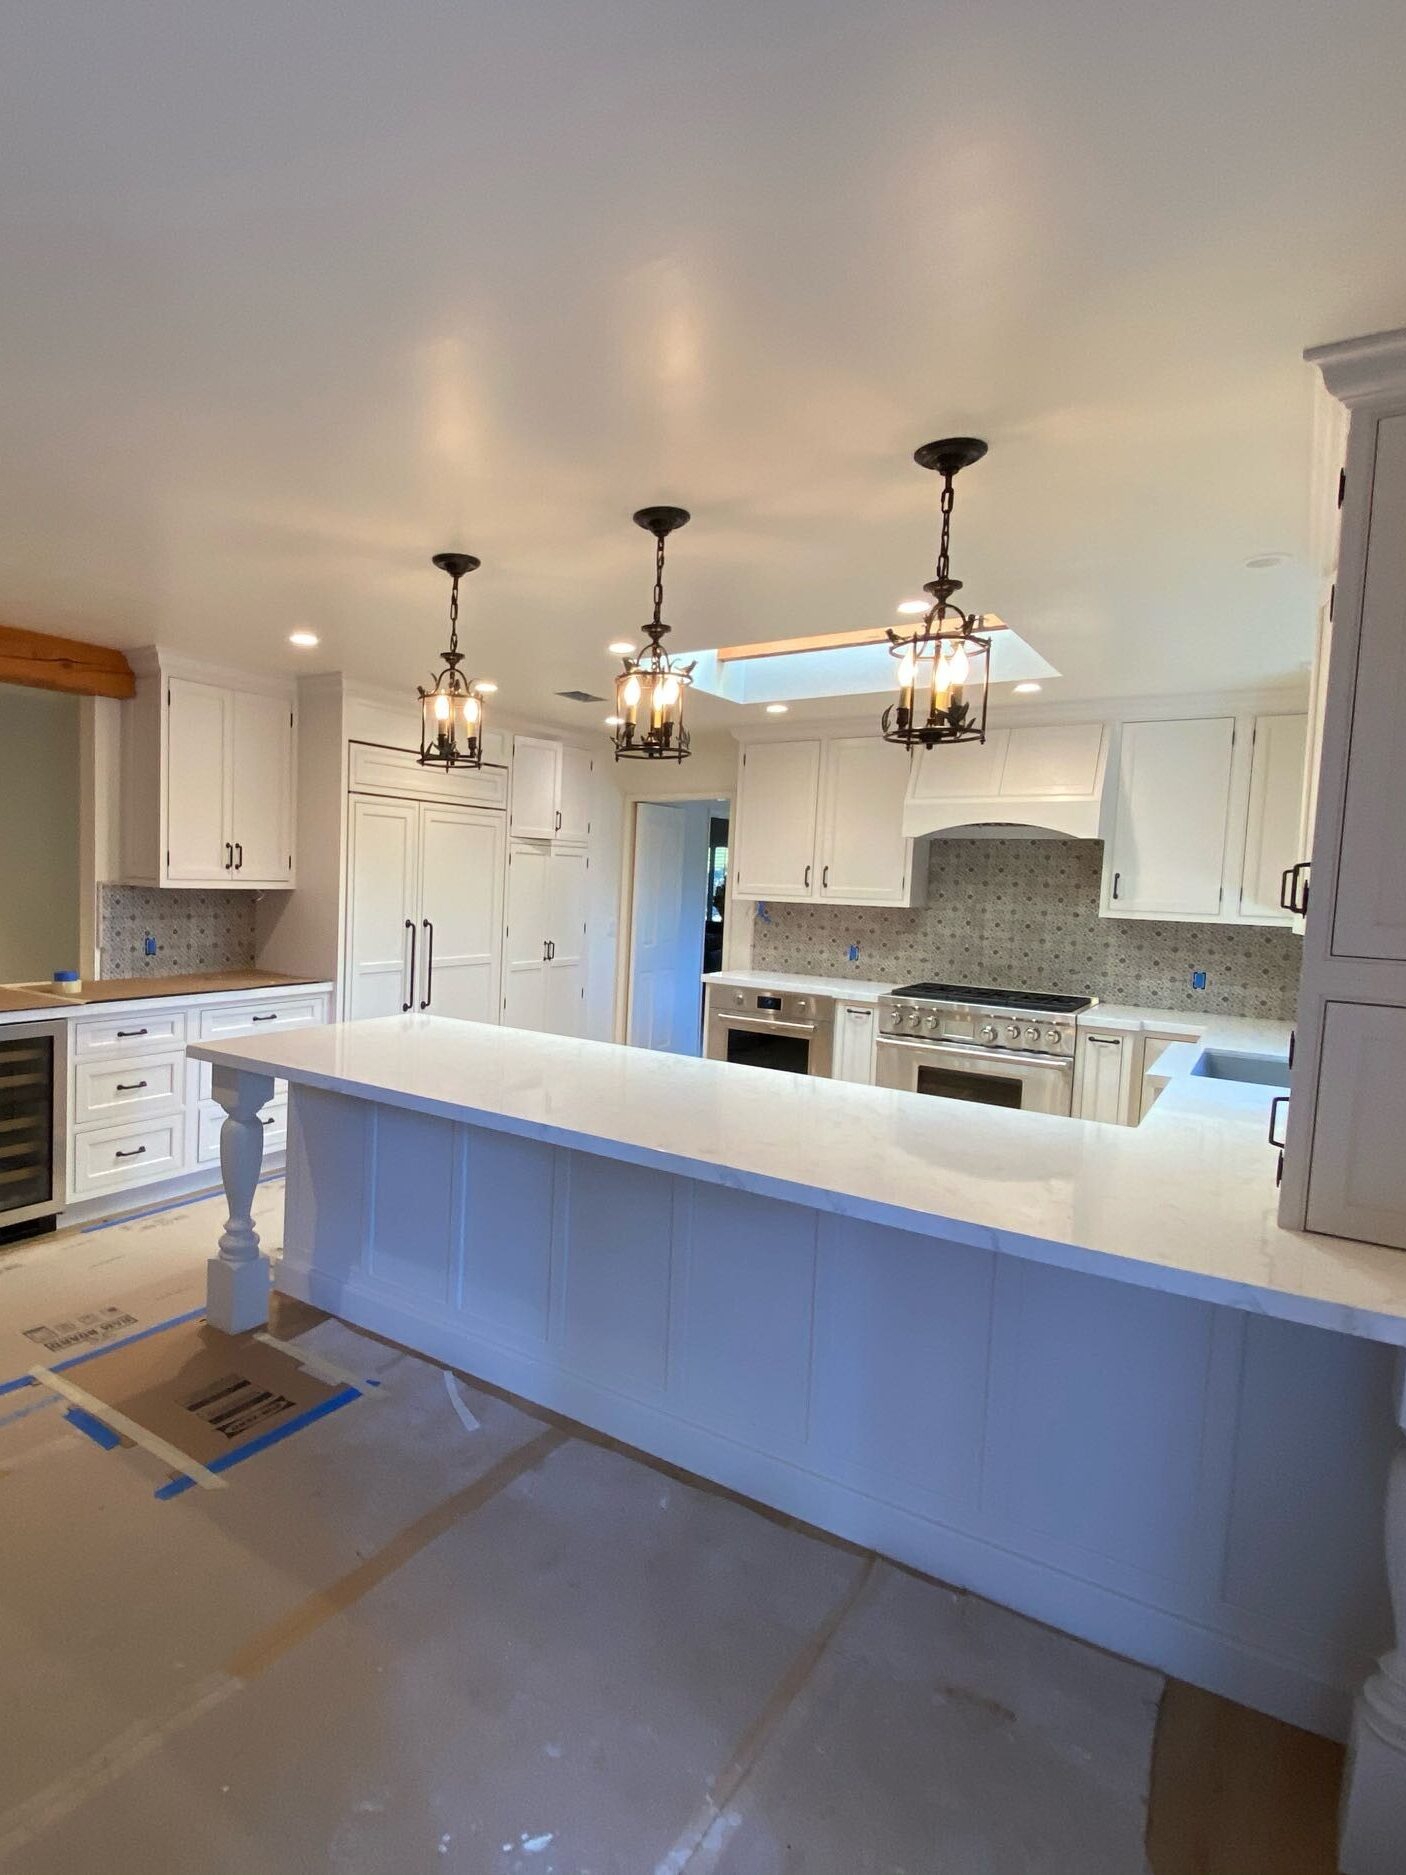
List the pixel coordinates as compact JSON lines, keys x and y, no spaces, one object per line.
{"x":1002,"y":1048}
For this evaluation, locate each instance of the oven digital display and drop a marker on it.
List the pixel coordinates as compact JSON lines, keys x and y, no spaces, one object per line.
{"x":769,"y":1002}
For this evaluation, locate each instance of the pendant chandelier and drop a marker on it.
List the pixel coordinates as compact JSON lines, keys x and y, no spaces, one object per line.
{"x":649,"y":691}
{"x":944,"y":667}
{"x":451,"y":713}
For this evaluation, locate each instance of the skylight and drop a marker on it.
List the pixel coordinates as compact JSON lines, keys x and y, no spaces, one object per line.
{"x":851,"y":670}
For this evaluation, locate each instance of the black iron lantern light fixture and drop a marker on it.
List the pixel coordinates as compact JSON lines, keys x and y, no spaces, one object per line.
{"x":944,"y":668}
{"x":451,"y":713}
{"x":649,"y":691}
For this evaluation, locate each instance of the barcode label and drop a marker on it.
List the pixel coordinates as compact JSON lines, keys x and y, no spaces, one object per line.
{"x":83,"y":1331}
{"x":232,"y":1404}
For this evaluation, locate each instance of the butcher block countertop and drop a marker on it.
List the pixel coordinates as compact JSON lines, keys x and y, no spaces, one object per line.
{"x":49,"y":999}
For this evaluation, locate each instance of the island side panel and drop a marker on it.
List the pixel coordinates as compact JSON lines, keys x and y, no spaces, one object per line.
{"x":1109,"y":1460}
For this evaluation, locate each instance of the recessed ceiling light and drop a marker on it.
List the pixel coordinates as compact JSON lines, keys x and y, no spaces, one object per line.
{"x":1024,"y":690}
{"x":622,"y":648}
{"x":1257,"y":562}
{"x":613,"y":722}
{"x":912,"y":607}
{"x":485,"y":687}
{"x":302,"y":638}
{"x":777,"y":709}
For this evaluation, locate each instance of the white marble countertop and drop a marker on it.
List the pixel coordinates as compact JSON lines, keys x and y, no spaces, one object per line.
{"x":1183,"y":1203}
{"x":845,"y":989}
{"x":1253,"y":1034}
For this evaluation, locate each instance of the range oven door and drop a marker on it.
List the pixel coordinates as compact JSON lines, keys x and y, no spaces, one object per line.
{"x":992,"y":1077}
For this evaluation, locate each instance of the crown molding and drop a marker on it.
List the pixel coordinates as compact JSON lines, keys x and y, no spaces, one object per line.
{"x":1363,"y":370}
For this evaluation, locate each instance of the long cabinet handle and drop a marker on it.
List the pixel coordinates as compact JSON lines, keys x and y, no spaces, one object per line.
{"x":428,"y":997}
{"x":409,"y":1002}
{"x":128,"y":1087}
{"x":135,"y":1153}
{"x":229,"y":855}
{"x":807,"y":878}
{"x":125,"y":1034}
{"x":1117,"y":881}
{"x":238,"y":857}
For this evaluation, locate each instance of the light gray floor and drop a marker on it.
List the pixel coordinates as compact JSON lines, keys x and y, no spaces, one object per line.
{"x":419,"y":1639}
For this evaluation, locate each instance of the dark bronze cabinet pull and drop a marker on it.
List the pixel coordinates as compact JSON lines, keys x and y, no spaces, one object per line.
{"x":124,"y":1035}
{"x":239,"y":857}
{"x":409,"y":1002}
{"x":229,"y":855}
{"x":272,"y":1016}
{"x":129,"y":1087}
{"x":135,"y":1153}
{"x":428,"y":997}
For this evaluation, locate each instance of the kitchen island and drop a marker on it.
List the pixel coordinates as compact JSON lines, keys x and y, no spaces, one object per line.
{"x":1077,"y":1368}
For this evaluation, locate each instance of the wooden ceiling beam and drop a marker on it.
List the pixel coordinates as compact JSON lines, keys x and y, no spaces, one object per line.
{"x":42,"y":662}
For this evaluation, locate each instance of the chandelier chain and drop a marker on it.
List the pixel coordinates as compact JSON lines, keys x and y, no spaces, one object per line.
{"x":659,"y":580}
{"x":453,"y":619}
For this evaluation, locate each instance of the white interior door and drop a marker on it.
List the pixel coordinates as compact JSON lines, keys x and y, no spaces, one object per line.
{"x":525,"y":939}
{"x":777,"y":797}
{"x":1168,"y":850}
{"x":566,"y":943}
{"x":536,"y":787}
{"x":382,"y":906}
{"x":261,"y":794}
{"x":668,"y":907}
{"x":863,"y":855}
{"x":199,"y":734}
{"x":461,"y":911}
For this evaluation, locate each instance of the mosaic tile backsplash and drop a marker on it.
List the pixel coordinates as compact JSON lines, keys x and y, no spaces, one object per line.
{"x":1024,"y":914}
{"x":193,"y":931}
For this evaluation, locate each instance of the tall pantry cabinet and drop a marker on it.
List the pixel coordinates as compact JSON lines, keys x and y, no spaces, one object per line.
{"x":545,"y":930}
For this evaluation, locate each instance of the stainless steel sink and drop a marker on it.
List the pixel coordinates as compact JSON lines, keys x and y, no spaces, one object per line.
{"x":1225,"y":1064}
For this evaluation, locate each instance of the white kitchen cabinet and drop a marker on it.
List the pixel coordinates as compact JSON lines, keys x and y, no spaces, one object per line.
{"x":551,"y":791}
{"x":566,"y":942}
{"x":862,"y":854}
{"x":424,"y":908}
{"x":208,"y":765}
{"x":525,"y":939}
{"x":1166,"y":858}
{"x":856,"y":1029}
{"x":1357,"y":1186}
{"x":778,"y":795}
{"x":1103,"y":1077}
{"x":1272,"y":826}
{"x":544,"y":944}
{"x":822,"y":822}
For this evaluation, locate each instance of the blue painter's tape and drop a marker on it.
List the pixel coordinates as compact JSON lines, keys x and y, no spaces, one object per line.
{"x":175,"y":1486}
{"x":21,"y":1380}
{"x":46,"y":1399}
{"x":95,"y":1429}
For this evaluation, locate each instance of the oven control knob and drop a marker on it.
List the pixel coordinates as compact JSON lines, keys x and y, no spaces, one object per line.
{"x":931,"y":1019}
{"x":801,"y":1005}
{"x":1053,"y":1038}
{"x":987,"y":1032}
{"x":914,"y":1018}
{"x":1013,"y":1031}
{"x":1032,"y":1035}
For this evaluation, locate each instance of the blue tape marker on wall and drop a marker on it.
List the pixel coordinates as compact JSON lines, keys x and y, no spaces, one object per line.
{"x":175,"y":1486}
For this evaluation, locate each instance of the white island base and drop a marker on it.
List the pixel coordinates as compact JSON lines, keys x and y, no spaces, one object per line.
{"x":1194,"y":1484}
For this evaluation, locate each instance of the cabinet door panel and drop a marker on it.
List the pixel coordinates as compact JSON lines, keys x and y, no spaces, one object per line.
{"x":1369,"y":917}
{"x":863,"y":856}
{"x":199,"y":735}
{"x":1168,"y":850}
{"x":1357,"y":1185}
{"x":261,"y":798}
{"x":461,"y":911}
{"x":525,"y":940}
{"x":1101,"y":1093}
{"x":1276,"y":801}
{"x":778,"y":794}
{"x":574,"y":803}
{"x":381,"y":902}
{"x":566,"y":934}
{"x":856,"y":1025}
{"x":536,"y":787}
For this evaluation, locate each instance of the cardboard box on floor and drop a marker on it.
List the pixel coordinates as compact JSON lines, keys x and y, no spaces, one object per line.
{"x":205,"y":1393}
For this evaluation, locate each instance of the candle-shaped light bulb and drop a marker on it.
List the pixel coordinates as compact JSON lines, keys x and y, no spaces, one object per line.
{"x":630,"y":695}
{"x":958,"y":667}
{"x":667,"y":692}
{"x":473,"y":709}
{"x":441,"y":707}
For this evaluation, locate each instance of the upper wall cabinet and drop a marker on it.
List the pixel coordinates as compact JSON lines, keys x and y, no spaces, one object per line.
{"x":551,"y":791}
{"x":207,"y":777}
{"x":821,"y":821}
{"x":1205,"y":818}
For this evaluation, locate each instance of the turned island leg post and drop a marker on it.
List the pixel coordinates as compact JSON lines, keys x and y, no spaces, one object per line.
{"x":1372,"y":1839}
{"x":237,"y":1280}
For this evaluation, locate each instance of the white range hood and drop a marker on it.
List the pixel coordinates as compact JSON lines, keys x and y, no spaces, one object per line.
{"x":1048,"y":779}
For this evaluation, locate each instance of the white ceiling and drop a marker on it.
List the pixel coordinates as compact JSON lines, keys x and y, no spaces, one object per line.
{"x":295,"y":295}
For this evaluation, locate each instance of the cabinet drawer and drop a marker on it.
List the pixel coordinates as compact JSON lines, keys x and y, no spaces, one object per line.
{"x":304,"y":1012}
{"x":274,"y":1119}
{"x":373,"y":769}
{"x":128,"y":1091}
{"x":119,"y":1035}
{"x":108,"y":1158}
